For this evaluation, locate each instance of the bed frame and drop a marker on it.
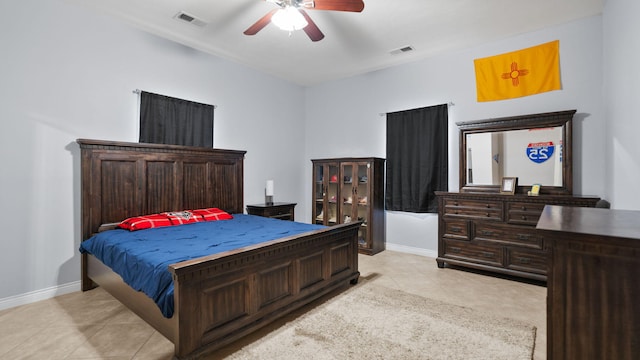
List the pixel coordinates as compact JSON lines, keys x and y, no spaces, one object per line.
{"x":218,"y":298}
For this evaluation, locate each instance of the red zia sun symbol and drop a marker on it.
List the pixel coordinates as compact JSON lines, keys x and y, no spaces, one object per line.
{"x":515,"y":74}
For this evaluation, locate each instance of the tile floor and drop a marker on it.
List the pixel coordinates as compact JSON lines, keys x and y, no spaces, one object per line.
{"x":92,"y":325}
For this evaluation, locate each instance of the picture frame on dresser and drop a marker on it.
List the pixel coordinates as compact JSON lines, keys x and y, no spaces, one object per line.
{"x":535,"y":190}
{"x":509,"y":185}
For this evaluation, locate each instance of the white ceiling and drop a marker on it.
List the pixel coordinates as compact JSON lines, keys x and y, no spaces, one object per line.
{"x":354,"y":43}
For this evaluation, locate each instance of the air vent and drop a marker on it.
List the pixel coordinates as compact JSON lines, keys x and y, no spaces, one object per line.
{"x":401,"y":50}
{"x":183,"y":16}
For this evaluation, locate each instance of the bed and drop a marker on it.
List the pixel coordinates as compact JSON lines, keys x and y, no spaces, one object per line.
{"x":217,"y":298}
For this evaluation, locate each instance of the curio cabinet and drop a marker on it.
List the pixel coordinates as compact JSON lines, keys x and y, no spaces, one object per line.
{"x":351,"y":189}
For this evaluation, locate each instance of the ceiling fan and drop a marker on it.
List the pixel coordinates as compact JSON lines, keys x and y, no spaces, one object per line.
{"x":292,"y":15}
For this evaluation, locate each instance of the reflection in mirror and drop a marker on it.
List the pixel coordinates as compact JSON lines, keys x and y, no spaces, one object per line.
{"x":534,"y":148}
{"x":532,"y":155}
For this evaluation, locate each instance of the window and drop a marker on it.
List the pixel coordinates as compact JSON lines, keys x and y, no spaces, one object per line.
{"x":417,"y":158}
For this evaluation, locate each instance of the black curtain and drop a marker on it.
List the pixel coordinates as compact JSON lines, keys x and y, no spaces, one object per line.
{"x":168,"y":120}
{"x":417,"y":158}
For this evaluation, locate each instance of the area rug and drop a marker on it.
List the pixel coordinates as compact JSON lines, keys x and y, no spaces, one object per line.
{"x":370,"y":321}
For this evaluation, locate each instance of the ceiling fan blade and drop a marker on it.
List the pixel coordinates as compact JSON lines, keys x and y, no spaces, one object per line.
{"x":311,"y":29}
{"x":260,"y":24}
{"x":339,"y":5}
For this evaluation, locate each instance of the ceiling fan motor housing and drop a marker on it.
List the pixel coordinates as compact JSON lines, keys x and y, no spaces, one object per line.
{"x":311,"y":29}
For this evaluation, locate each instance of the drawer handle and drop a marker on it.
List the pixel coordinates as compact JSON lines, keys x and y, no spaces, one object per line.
{"x":488,"y":214}
{"x":487,"y":254}
{"x":488,"y":206}
{"x":486,"y":232}
{"x":455,"y":249}
{"x":523,"y":237}
{"x":524,"y":217}
{"x":455,"y":203}
{"x":456,"y":229}
{"x":524,"y":260}
{"x":524,"y":208}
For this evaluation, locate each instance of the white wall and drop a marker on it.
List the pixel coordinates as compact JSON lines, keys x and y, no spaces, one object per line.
{"x":343,"y":116}
{"x":621,"y":94}
{"x":68,"y":73}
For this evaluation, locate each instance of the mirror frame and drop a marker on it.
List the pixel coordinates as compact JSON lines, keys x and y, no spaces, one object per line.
{"x":532,"y":121}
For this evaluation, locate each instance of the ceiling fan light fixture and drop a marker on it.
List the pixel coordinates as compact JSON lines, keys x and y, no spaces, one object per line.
{"x":289,"y":19}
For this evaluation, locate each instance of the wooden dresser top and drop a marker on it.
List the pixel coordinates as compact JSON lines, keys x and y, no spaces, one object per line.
{"x":593,"y":221}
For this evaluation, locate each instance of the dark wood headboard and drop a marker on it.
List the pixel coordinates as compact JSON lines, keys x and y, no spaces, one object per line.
{"x":121,"y":179}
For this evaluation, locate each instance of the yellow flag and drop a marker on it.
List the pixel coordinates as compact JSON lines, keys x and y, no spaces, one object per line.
{"x":519,"y":73}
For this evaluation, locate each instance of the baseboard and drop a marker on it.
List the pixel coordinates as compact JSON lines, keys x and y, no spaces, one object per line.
{"x":38,"y":295}
{"x":412,"y":250}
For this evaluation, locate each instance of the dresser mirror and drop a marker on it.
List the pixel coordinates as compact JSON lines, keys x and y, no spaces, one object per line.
{"x":535,"y":148}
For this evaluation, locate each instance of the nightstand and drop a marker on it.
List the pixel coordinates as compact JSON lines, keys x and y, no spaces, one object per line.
{"x":278,"y":210}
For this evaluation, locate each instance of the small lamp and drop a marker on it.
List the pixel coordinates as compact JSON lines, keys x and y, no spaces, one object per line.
{"x":268,"y":192}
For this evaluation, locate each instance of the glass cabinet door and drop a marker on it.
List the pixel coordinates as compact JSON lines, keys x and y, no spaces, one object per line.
{"x":348,"y":210}
{"x":319,"y":193}
{"x":355,"y":198}
{"x":325,"y":193}
{"x":333,"y":191}
{"x":362,"y":208}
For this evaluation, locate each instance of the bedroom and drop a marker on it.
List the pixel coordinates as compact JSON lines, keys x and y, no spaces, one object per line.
{"x":60,"y":84}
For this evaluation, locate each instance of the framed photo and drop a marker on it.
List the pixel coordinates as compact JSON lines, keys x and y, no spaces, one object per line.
{"x":509,"y":185}
{"x":535,"y":190}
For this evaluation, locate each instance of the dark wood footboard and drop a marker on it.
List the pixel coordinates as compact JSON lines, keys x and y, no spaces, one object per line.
{"x":222,"y":298}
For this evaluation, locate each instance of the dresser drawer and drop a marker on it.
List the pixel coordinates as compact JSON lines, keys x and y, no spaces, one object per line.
{"x":479,"y":253}
{"x":283,"y":211}
{"x":280,"y":213}
{"x":527,"y":260}
{"x":524,"y":213}
{"x":508,"y":235}
{"x":456,"y":229}
{"x":473,"y":209}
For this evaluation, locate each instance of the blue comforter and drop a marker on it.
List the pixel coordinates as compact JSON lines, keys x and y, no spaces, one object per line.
{"x":142,"y":257}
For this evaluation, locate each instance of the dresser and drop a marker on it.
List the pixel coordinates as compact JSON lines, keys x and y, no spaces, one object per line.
{"x":496,"y":232}
{"x":594,"y":283}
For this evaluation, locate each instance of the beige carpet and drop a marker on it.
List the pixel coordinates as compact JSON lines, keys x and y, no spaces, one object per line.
{"x":369,"y":321}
